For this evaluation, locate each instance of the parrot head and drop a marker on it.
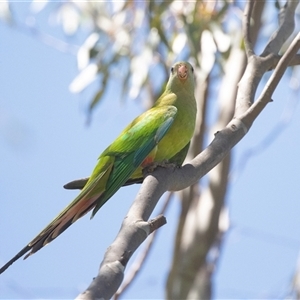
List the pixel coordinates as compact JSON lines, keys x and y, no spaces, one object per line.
{"x":182,"y":77}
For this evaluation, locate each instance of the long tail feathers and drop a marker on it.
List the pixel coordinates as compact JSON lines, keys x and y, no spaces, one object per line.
{"x":16,"y":257}
{"x":55,"y":228}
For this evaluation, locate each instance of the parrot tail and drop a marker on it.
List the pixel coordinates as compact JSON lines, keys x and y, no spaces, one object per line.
{"x":66,"y":218}
{"x":16,"y":257}
{"x":79,"y":184}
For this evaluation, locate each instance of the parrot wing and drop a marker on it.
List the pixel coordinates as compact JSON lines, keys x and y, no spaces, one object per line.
{"x":133,"y":146}
{"x":78,"y":184}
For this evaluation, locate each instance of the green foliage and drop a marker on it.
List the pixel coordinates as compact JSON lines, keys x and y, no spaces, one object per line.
{"x":127,"y":41}
{"x":134,"y":37}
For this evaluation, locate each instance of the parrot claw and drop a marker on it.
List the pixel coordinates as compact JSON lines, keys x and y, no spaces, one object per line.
{"x":163,"y":164}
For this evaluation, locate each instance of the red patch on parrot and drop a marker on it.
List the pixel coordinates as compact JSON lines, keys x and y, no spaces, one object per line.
{"x":147,"y":161}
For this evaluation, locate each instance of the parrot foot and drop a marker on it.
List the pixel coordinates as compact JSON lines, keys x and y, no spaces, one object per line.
{"x":162,"y":164}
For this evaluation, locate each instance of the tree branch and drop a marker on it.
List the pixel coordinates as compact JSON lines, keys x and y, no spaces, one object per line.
{"x":286,"y":28}
{"x":258,"y":65}
{"x":246,"y":28}
{"x":133,"y":232}
{"x":295,"y":61}
{"x":137,"y":265}
{"x":273,"y":81}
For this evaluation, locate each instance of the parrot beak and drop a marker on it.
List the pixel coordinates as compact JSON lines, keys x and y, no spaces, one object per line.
{"x":182,"y":73}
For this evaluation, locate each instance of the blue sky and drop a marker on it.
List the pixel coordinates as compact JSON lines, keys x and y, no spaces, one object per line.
{"x":44,"y":143}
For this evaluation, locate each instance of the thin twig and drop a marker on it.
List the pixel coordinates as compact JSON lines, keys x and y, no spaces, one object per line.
{"x":294,"y":62}
{"x":283,"y":63}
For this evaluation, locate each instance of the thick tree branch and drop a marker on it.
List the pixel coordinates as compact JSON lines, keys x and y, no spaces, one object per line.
{"x":133,"y":232}
{"x":138,"y":263}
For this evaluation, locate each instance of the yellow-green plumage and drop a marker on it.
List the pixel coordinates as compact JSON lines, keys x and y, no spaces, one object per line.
{"x":160,"y":134}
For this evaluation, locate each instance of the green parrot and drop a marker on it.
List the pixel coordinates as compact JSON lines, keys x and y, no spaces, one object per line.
{"x":161,"y":134}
